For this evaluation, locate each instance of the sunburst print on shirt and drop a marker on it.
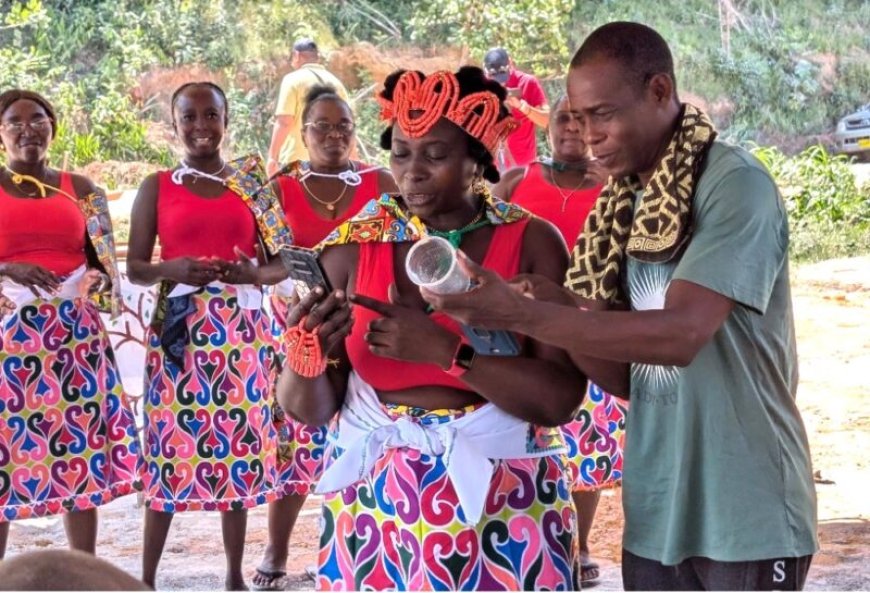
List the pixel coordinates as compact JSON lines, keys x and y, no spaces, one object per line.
{"x":647,"y":286}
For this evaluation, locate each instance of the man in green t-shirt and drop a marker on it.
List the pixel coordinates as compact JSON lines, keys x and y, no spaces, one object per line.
{"x":286,"y":145}
{"x":679,"y":298}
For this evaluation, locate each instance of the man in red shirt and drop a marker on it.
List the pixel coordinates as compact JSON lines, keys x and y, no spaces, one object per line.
{"x":528,"y":105}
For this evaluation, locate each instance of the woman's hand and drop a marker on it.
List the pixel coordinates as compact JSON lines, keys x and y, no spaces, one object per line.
{"x":406,"y":333}
{"x":7,"y":306}
{"x":188,"y":270}
{"x":32,"y":276}
{"x":242,"y":271}
{"x":329,"y":313}
{"x":93,"y":281}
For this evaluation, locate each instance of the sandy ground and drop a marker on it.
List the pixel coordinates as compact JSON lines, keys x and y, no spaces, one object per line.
{"x":832,"y":308}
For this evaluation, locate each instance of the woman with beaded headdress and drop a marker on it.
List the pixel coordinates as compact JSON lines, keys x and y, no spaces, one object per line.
{"x":209,"y":439}
{"x":67,"y":436}
{"x":446,"y":469}
{"x":317,"y":195}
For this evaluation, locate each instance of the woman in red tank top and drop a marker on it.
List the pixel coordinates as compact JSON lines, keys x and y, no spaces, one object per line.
{"x":209,"y":440}
{"x":317,"y":196}
{"x":563,"y":190}
{"x":401,"y":511}
{"x":67,"y":437}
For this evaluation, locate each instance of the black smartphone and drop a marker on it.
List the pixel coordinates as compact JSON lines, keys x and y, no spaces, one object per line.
{"x":492,"y":342}
{"x":303,"y":267}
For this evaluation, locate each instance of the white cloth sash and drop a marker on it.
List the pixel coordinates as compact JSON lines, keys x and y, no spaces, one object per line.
{"x":467,"y":444}
{"x":22,"y":296}
{"x":249,"y":296}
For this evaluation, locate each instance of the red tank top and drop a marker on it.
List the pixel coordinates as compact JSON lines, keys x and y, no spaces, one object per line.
{"x":536,"y":194}
{"x":192,"y":226}
{"x":48,"y":232}
{"x":308,"y":227}
{"x":373,"y":277}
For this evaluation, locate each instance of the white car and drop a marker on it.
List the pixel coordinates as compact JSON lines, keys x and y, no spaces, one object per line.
{"x":853,"y":133}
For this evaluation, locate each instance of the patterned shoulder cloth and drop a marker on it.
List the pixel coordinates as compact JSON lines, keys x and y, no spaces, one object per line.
{"x":249,"y":180}
{"x":384,"y":220}
{"x":95,"y":209}
{"x":660,"y":228}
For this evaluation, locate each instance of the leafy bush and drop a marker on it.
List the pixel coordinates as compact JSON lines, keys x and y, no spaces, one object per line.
{"x":817,"y":186}
{"x":829,"y":214}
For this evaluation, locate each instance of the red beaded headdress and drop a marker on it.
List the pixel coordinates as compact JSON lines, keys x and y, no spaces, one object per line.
{"x":437,"y":97}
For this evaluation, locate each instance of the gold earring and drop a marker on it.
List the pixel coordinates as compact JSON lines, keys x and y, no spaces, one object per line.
{"x":478,"y":186}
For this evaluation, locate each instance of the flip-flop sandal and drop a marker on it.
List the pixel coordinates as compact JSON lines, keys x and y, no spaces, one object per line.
{"x":275,"y":580}
{"x":585,"y":569}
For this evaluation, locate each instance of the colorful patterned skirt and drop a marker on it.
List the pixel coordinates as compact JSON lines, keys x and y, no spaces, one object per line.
{"x":595,"y":439}
{"x":67,"y":436}
{"x":209,"y":439}
{"x":300,"y":446}
{"x":400,"y":530}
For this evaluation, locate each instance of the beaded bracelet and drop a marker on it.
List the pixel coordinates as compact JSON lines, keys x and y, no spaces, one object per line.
{"x":304,"y":354}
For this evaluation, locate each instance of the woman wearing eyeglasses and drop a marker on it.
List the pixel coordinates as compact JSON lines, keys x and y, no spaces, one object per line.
{"x":318,"y":195}
{"x":67,"y":438}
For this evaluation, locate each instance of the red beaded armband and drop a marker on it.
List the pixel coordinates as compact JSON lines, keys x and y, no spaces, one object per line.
{"x":304,"y":354}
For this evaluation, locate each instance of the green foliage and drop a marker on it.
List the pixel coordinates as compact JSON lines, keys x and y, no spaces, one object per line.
{"x":531,"y":30}
{"x":250,"y":128}
{"x":379,"y":22}
{"x":193,"y":31}
{"x":779,"y":72}
{"x":817,"y":186}
{"x":828,"y":240}
{"x":369,"y":128}
{"x":784,"y":69}
{"x":829,"y":214}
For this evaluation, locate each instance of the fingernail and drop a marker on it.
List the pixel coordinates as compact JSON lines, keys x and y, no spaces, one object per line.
{"x":339,"y":294}
{"x":318,"y":290}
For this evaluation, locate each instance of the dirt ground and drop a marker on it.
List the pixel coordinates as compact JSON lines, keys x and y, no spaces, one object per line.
{"x":832,"y":309}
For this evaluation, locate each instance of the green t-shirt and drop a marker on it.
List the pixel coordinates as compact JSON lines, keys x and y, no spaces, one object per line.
{"x":717,"y":462}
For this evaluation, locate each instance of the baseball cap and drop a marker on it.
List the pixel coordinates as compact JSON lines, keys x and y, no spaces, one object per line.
{"x":496,"y":64}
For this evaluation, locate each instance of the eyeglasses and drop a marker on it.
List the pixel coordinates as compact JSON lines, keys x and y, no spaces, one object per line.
{"x":345,"y":128}
{"x":37,"y":125}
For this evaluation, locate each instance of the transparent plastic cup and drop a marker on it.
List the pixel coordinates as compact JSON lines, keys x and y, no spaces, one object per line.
{"x":431,"y":263}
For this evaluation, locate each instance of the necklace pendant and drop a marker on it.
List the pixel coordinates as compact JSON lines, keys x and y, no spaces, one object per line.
{"x":330,"y":207}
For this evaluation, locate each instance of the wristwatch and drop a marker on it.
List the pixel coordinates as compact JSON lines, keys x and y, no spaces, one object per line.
{"x":463,"y":358}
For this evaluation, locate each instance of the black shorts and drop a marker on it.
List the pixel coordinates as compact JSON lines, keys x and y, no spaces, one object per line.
{"x":703,"y":574}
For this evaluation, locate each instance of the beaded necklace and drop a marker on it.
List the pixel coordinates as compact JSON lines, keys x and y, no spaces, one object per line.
{"x":561,"y":167}
{"x":455,"y":236}
{"x":20,"y":178}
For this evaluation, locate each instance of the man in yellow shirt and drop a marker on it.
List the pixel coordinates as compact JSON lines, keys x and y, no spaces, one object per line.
{"x":286,"y":145}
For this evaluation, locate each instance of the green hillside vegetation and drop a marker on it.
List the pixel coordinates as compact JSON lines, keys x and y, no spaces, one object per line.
{"x":774,"y":73}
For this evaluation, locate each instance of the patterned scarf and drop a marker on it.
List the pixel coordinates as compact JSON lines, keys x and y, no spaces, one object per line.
{"x":247,"y":181}
{"x":98,"y":222}
{"x":659,"y":228}
{"x":384,"y":220}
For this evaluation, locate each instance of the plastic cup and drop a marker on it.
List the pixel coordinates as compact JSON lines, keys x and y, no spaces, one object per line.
{"x":431,"y":263}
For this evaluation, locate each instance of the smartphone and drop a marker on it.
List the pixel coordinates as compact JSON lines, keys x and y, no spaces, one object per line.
{"x":514,"y":92}
{"x":492,"y":342}
{"x":303,"y":267}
